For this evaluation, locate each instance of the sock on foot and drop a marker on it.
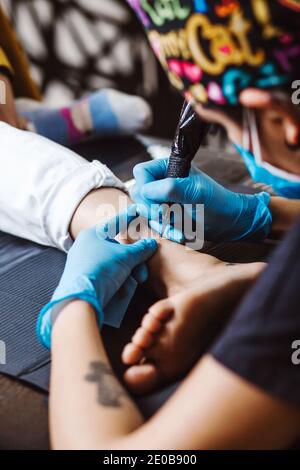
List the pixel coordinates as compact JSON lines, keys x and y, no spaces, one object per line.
{"x":103,"y":114}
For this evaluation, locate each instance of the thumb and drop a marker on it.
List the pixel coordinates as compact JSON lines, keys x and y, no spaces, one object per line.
{"x":150,"y":171}
{"x":141,"y":251}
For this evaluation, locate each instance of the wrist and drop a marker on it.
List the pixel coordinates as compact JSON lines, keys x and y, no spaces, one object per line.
{"x":76,"y":286}
{"x":73,"y":318}
{"x":73,"y":309}
{"x":258,"y":216}
{"x":285,"y":212}
{"x":51,"y":313}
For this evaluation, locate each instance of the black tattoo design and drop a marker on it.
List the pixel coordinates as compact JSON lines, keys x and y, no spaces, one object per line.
{"x":110,"y":391}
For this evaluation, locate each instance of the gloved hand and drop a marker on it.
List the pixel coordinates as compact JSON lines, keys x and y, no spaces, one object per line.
{"x":102,"y":272}
{"x":228,"y":216}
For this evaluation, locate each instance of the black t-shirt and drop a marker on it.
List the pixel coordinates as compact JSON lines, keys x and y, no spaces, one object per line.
{"x":262,"y":341}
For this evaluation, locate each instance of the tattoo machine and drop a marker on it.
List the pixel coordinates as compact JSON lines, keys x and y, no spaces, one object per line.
{"x":189,"y":136}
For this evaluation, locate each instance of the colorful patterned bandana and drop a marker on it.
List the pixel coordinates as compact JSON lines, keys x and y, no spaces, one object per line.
{"x":214,"y":49}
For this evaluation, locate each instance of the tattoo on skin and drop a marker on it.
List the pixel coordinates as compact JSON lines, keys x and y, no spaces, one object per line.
{"x":110,"y":392}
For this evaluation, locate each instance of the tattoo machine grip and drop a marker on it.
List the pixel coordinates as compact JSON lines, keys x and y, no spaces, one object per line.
{"x":189,"y":136}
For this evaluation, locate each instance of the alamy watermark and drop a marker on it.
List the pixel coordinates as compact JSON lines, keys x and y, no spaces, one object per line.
{"x":2,"y":353}
{"x":296,"y":354}
{"x":296,"y":93}
{"x":183,"y":223}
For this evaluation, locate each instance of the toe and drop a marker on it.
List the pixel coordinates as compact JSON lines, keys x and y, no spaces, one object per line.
{"x":162,"y":310}
{"x":151,"y":323}
{"x":142,"y":379}
{"x":132,"y":354}
{"x":142,"y":338}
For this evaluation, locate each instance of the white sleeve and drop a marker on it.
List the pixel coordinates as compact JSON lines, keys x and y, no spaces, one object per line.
{"x":42,"y":184}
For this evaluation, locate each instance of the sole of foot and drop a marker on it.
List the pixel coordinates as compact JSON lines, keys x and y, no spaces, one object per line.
{"x":177,"y":330}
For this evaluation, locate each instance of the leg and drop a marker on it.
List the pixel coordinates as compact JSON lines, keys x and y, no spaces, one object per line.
{"x":102,"y":114}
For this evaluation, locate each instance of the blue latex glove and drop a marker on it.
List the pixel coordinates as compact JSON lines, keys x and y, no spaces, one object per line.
{"x":228,"y":216}
{"x":102,"y":272}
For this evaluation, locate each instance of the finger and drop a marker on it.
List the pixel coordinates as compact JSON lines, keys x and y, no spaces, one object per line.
{"x":150,"y":211}
{"x":150,"y":171}
{"x":141,"y":273}
{"x":117,"y":224}
{"x":253,"y":98}
{"x":260,"y":99}
{"x":144,"y":206}
{"x":135,"y":195}
{"x":141,"y":251}
{"x":156,"y":226}
{"x":169,"y":232}
{"x":173,"y":234}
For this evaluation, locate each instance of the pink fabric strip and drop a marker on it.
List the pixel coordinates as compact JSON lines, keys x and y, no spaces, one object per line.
{"x":74,"y":133}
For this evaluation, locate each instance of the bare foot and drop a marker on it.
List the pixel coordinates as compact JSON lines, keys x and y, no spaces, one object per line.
{"x":177,"y":330}
{"x":174,"y":267}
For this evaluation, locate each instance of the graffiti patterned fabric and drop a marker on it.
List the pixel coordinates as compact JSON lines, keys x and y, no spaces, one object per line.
{"x":213,"y":49}
{"x":77,"y":46}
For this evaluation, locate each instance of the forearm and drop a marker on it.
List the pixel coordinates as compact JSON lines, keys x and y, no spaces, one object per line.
{"x":285,"y":212}
{"x":89,"y":409}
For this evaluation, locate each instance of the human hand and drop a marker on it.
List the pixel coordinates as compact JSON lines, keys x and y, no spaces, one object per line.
{"x":102,"y":272}
{"x":228,"y":215}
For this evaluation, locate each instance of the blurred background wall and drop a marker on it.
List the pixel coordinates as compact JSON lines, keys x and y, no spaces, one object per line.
{"x":77,"y":46}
